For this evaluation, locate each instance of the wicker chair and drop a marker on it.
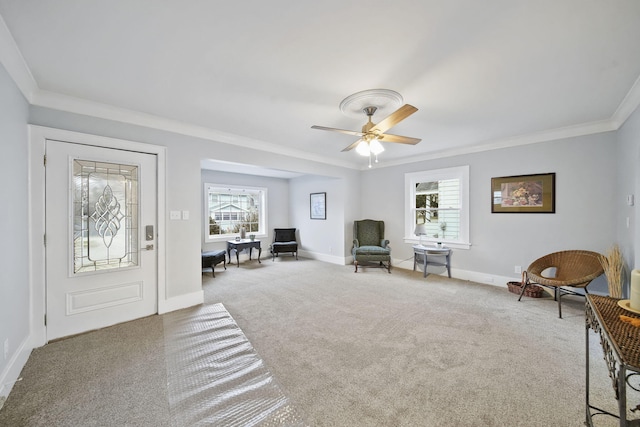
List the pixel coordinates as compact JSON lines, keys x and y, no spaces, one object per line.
{"x":575,"y":269}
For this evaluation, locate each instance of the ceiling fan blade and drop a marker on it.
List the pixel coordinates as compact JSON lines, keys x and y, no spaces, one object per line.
{"x":348,"y":132}
{"x":386,"y":137}
{"x":352,"y":146}
{"x":394,"y":118}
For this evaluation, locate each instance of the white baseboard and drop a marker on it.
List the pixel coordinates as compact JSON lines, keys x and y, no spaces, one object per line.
{"x":11,"y":373}
{"x":332,"y":259}
{"x":473,"y":276}
{"x":487,"y":279}
{"x":181,"y":301}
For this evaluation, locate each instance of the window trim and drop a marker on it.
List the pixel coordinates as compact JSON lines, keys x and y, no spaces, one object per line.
{"x":224,"y":237}
{"x":410,"y":181}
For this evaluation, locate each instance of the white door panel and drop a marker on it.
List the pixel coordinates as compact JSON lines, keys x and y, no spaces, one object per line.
{"x":101,"y":266}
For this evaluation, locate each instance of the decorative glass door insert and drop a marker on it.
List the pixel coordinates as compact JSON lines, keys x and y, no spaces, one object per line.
{"x":105,"y":218}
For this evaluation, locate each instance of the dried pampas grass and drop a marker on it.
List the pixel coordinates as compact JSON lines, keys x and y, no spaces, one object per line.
{"x":612,"y":263}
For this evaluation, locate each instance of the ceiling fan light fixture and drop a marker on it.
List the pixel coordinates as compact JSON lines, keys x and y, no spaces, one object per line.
{"x":375,"y":146}
{"x":370,"y":102}
{"x":363,"y":148}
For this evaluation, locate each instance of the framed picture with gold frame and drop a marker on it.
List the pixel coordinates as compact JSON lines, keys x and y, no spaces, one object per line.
{"x":524,"y":194}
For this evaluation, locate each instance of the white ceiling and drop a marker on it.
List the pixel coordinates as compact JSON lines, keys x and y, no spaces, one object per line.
{"x":259,"y":73}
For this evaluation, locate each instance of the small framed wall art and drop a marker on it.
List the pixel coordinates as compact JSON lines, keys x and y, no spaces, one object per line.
{"x":318,"y":206}
{"x":524,"y":194}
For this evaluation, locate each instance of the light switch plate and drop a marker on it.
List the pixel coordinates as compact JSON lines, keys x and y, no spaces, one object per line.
{"x":174,"y":215}
{"x":185,"y":214}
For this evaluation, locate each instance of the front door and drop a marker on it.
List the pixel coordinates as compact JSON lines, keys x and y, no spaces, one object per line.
{"x":101,"y":216}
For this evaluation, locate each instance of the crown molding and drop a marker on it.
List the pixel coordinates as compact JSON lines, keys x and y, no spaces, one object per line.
{"x":13,"y":61}
{"x":628,"y":105}
{"x":75,"y":105}
{"x":515,"y":141}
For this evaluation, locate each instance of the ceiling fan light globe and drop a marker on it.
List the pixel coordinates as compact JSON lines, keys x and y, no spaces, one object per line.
{"x":375,"y":147}
{"x":363,"y":148}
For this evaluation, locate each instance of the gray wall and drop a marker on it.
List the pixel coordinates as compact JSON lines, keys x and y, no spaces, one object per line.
{"x":585,"y":203}
{"x":628,"y":182}
{"x":320,"y":237}
{"x":14,"y":251}
{"x":288,"y":206}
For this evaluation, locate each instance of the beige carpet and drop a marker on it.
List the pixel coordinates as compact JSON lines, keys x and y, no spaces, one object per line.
{"x":379,"y":349}
{"x":365,"y":349}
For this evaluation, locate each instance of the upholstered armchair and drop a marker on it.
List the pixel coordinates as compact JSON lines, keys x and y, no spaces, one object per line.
{"x":284,"y":240}
{"x":369,"y":245}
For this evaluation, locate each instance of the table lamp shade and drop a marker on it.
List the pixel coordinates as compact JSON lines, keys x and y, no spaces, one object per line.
{"x":420,"y":230}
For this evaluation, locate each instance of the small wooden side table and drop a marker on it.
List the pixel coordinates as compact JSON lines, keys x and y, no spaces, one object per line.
{"x":425,"y":255}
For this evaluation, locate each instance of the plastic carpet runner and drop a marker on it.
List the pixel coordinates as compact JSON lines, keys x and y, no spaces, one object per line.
{"x":215,"y":377}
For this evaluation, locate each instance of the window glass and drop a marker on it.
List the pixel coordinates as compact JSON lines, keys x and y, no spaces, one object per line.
{"x":437,"y":202}
{"x":437,"y":207}
{"x":105,"y":204}
{"x":229,"y":209}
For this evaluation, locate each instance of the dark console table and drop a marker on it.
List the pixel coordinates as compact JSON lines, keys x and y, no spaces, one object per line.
{"x":241,"y":245}
{"x":621,"y":346}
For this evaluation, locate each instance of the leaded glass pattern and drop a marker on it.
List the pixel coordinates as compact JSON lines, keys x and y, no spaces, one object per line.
{"x":105,"y":216}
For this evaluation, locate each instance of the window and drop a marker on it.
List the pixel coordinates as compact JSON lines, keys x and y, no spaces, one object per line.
{"x":439,"y":200}
{"x":229,"y":208}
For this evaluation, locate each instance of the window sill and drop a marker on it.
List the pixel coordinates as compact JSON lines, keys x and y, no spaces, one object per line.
{"x":225,"y":237}
{"x":432,"y":242}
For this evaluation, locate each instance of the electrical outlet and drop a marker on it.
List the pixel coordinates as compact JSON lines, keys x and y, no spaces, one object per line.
{"x":6,"y":348}
{"x":517,"y":269}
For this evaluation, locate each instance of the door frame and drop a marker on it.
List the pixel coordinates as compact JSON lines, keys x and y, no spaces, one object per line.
{"x":38,"y":135}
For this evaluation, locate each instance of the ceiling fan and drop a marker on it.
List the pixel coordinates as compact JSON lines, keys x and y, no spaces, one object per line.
{"x":372,"y":134}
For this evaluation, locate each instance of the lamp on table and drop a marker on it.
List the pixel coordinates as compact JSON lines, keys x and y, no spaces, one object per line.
{"x":420,"y":230}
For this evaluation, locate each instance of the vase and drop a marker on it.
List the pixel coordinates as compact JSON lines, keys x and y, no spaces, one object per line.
{"x":243,"y":233}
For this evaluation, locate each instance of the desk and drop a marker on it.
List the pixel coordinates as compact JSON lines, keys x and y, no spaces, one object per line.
{"x":621,"y":346}
{"x":241,"y":245}
{"x":425,"y":255}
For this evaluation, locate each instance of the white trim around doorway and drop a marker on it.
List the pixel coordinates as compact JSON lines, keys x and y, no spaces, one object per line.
{"x":36,"y":175}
